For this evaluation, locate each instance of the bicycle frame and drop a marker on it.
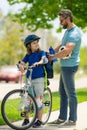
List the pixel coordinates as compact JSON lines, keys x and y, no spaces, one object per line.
{"x":47,"y":97}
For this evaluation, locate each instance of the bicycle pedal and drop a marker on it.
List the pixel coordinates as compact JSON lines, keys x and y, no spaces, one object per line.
{"x":47,"y":103}
{"x":23,"y":114}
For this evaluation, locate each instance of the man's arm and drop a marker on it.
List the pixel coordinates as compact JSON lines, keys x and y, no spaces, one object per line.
{"x":66,"y":51}
{"x":57,"y":49}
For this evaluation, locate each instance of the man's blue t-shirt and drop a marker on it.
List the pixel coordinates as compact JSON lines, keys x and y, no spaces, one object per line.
{"x":38,"y":71}
{"x":74,"y":36}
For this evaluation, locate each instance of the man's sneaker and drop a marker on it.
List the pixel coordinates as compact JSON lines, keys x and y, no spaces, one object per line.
{"x":70,"y":123}
{"x":37,"y":124}
{"x":58,"y":122}
{"x":25,"y":122}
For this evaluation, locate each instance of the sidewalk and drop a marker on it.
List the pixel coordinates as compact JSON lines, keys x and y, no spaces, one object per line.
{"x":79,"y":83}
{"x":54,"y":85}
{"x":81,"y":122}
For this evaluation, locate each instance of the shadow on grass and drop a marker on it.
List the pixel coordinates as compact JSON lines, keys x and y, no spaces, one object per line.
{"x":82,"y":93}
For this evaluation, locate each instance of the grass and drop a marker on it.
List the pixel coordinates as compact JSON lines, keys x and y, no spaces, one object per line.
{"x":81,"y":94}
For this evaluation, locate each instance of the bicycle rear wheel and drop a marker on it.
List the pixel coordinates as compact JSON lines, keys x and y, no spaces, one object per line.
{"x":11,"y":113}
{"x":47,"y":105}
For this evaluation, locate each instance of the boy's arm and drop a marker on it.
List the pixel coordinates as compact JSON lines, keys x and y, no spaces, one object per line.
{"x":42,"y":61}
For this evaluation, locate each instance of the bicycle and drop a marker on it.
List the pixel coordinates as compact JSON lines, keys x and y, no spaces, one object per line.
{"x":19,"y":102}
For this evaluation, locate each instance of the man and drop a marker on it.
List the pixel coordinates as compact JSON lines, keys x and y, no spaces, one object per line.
{"x":68,"y":52}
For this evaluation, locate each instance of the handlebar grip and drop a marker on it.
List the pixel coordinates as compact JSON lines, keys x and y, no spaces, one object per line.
{"x":19,"y":62}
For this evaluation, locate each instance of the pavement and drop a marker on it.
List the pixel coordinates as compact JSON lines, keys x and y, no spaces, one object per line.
{"x":54,"y":84}
{"x":82,"y":114}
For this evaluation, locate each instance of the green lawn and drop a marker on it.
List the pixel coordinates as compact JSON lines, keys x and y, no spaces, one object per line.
{"x":81,"y":94}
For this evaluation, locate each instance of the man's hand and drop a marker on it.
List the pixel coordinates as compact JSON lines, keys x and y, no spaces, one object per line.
{"x":51,"y":57}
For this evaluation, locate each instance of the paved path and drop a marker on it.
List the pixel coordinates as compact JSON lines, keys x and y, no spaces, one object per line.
{"x":54,"y":84}
{"x":79,"y":83}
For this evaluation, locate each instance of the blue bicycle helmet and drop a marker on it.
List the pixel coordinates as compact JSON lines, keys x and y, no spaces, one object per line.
{"x":30,"y":38}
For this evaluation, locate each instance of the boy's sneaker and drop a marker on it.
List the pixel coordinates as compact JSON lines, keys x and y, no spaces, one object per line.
{"x":70,"y":123}
{"x":25,"y":122}
{"x":58,"y":122}
{"x":37,"y":124}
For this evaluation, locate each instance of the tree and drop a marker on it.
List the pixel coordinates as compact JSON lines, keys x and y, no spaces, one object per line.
{"x":11,"y":46}
{"x":39,"y":13}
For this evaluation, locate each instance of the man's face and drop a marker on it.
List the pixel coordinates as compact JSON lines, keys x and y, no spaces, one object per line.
{"x":63,"y":22}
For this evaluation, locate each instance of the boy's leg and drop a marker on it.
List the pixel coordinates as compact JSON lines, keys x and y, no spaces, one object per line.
{"x":39,"y":114}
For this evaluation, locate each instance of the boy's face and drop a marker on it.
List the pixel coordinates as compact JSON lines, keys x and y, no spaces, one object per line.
{"x":34,"y":45}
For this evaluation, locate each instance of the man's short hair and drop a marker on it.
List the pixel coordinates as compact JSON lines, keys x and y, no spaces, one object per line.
{"x":66,"y":13}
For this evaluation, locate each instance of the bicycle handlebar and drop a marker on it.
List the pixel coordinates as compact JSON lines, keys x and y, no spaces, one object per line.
{"x":25,"y":67}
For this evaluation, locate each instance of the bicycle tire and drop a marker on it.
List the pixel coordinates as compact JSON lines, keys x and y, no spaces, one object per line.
{"x":47,"y":105}
{"x":10,"y":113}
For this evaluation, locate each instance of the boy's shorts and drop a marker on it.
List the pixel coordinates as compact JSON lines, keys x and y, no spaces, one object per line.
{"x":38,"y":85}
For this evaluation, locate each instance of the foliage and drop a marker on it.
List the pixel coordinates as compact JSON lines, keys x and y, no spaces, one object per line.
{"x":11,"y":46}
{"x":57,"y":67}
{"x":83,"y":62}
{"x":40,"y":13}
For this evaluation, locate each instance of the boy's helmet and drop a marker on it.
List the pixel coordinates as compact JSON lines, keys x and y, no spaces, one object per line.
{"x":30,"y":38}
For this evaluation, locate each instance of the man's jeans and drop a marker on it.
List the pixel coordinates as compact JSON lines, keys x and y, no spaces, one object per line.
{"x":67,"y":93}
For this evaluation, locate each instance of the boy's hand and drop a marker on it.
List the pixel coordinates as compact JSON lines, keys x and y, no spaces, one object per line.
{"x":21,"y":68}
{"x":36,"y":64}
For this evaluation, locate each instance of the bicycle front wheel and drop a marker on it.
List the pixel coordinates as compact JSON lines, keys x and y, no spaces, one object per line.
{"x":47,"y":105}
{"x":14,"y":116}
